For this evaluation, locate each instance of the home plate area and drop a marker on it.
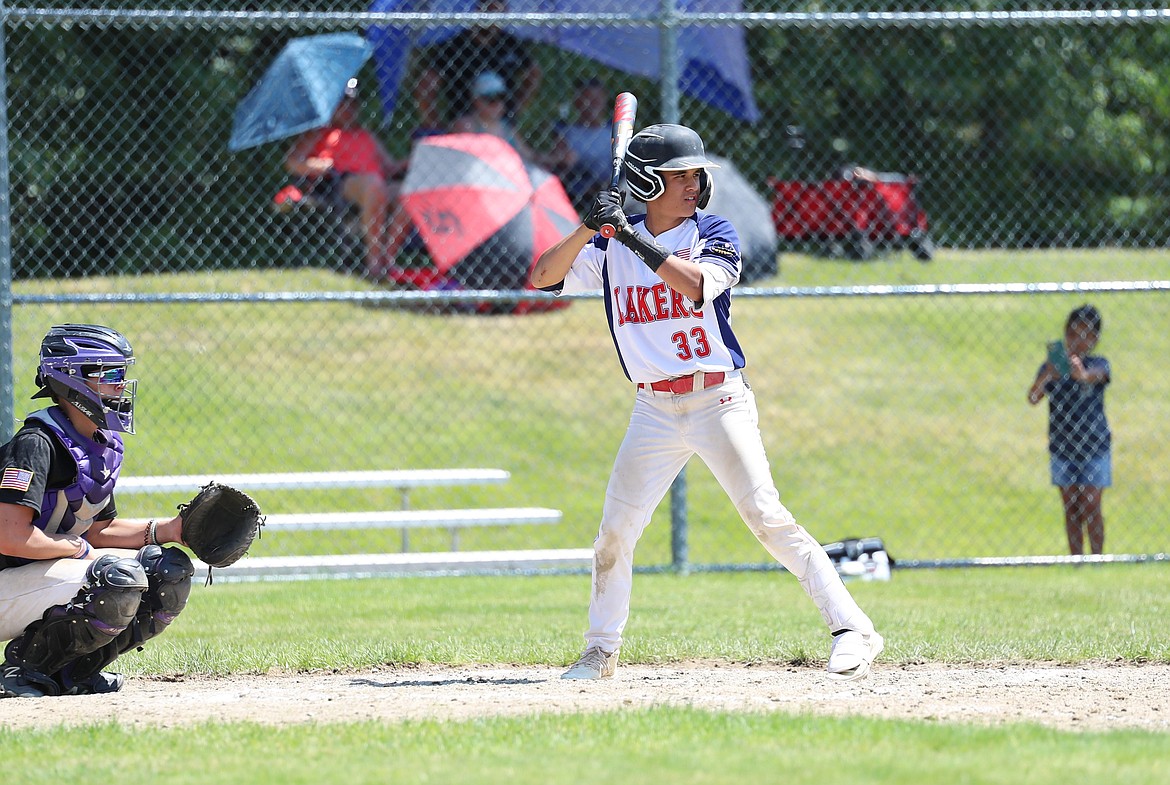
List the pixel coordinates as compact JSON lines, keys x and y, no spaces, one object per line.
{"x":1095,"y":696}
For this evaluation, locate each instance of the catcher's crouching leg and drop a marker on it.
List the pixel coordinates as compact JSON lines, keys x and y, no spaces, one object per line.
{"x":169,"y":571}
{"x":101,"y":611}
{"x":168,"y":574}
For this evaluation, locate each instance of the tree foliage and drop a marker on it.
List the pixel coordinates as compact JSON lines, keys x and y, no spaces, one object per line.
{"x":1023,"y":135}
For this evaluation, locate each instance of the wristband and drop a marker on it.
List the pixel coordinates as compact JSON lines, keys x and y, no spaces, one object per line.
{"x":647,"y":249}
{"x":152,"y":533}
{"x":84,"y":550}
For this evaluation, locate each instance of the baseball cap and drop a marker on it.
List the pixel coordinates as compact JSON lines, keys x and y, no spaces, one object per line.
{"x":489,"y":83}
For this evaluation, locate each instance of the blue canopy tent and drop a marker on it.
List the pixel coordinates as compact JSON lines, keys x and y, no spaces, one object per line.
{"x":393,"y":44}
{"x":713,"y":64}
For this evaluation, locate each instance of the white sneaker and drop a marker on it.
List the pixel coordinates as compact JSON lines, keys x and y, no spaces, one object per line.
{"x":594,"y":663}
{"x":852,"y":655}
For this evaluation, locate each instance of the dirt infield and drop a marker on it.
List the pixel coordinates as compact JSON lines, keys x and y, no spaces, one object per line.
{"x":1096,"y":696}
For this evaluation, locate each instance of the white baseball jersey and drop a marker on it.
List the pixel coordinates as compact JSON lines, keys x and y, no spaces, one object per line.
{"x":659,"y":333}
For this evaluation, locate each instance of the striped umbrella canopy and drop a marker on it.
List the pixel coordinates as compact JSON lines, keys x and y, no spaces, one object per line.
{"x":483,"y":213}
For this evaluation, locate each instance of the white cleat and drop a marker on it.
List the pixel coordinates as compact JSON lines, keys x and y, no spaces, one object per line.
{"x":594,"y":663}
{"x":852,"y":655}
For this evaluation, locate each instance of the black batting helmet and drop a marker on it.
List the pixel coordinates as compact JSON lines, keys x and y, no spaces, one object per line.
{"x":665,"y":148}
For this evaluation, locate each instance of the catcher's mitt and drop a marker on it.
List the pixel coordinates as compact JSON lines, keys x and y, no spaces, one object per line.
{"x":220,"y":523}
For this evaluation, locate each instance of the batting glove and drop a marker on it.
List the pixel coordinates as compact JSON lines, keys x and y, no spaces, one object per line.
{"x":606,"y":209}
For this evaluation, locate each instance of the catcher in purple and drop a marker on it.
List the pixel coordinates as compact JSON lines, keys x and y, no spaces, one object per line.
{"x":78,"y":585}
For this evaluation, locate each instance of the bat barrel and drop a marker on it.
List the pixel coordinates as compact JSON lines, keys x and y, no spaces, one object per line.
{"x":625,"y":110}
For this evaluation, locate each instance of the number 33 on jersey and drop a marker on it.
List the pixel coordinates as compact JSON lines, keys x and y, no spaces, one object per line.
{"x":659,"y":333}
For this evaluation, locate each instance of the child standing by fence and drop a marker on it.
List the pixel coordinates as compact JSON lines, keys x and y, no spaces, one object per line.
{"x":1079,"y":440}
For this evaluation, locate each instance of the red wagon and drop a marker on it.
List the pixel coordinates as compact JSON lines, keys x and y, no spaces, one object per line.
{"x":854,"y":214}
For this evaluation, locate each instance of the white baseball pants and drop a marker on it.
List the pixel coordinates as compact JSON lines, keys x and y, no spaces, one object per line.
{"x":26,"y":592}
{"x":721,"y":426}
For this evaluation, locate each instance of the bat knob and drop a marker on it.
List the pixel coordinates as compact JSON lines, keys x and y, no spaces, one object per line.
{"x":608,"y":231}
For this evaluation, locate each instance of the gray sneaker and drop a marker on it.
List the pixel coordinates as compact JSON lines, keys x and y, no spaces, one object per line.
{"x":16,"y":682}
{"x":97,"y":684}
{"x":852,"y":655}
{"x":594,"y":663}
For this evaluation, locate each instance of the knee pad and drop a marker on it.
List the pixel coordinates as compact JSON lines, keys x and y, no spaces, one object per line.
{"x":112,"y":592}
{"x":168,"y":573}
{"x":100,"y":612}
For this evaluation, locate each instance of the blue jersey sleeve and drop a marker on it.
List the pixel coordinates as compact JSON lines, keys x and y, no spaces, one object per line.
{"x":719,"y":243}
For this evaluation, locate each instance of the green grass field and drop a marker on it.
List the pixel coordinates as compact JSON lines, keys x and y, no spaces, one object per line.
{"x":897,"y":417}
{"x":1061,"y":614}
{"x":900,"y":417}
{"x":644,"y":746}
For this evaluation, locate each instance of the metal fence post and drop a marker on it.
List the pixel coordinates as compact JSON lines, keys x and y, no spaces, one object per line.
{"x":668,"y":81}
{"x":679,"y":558}
{"x":7,"y":411}
{"x":668,"y":65}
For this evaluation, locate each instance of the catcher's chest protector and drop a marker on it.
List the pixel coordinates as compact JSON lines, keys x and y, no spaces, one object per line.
{"x":98,"y":466}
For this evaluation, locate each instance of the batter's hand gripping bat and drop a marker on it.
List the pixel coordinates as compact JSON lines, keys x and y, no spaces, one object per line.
{"x":625,"y":109}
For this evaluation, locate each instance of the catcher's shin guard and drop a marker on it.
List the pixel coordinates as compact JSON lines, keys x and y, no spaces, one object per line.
{"x":99,"y":613}
{"x":169,"y":571}
{"x":168,"y":574}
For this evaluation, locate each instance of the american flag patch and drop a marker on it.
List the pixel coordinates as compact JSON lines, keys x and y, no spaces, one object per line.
{"x":16,"y":479}
{"x":683,"y":253}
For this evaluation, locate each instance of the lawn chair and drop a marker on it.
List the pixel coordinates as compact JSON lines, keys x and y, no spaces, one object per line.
{"x":336,"y":221}
{"x":331,"y":222}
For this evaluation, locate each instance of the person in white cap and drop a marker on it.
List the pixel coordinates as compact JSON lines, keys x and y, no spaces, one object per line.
{"x":443,"y":90}
{"x":488,"y":115}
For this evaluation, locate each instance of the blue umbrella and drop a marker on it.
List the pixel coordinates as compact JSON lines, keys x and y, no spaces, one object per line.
{"x":300,"y":90}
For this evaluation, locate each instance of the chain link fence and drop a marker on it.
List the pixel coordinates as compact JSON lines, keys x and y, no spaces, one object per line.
{"x":912,"y":188}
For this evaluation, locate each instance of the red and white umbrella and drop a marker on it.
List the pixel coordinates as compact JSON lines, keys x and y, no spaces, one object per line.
{"x":484,"y":215}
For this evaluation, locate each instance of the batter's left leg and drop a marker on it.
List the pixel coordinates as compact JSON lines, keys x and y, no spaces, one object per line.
{"x":731,"y":446}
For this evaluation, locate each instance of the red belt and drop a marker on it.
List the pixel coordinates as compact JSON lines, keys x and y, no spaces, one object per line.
{"x":684,"y":384}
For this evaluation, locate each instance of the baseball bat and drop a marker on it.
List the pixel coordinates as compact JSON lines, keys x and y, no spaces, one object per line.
{"x":625,"y":109}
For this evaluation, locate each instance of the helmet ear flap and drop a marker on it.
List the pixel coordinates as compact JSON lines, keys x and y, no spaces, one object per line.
{"x":644,"y":183}
{"x":706,"y":188}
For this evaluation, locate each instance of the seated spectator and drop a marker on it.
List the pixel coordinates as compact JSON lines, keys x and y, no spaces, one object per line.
{"x":487,"y":116}
{"x":582,"y":151}
{"x":451,"y":65}
{"x":345,"y":163}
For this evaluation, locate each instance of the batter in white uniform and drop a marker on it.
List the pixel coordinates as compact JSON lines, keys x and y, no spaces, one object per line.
{"x":667,"y":278}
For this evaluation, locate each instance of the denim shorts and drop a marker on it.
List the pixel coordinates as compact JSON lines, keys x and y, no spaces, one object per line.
{"x":1096,"y":471}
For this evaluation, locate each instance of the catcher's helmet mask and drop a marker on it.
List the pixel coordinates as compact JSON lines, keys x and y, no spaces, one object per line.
{"x":72,"y":356}
{"x":666,"y":148}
